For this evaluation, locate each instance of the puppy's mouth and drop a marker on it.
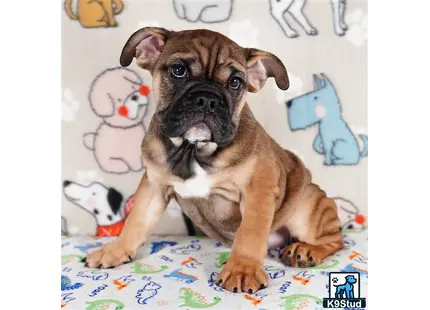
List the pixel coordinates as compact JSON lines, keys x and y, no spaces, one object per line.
{"x":198,"y":133}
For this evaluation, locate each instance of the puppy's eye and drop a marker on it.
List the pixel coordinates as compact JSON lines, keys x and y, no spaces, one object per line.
{"x":178,"y":71}
{"x":235,"y":82}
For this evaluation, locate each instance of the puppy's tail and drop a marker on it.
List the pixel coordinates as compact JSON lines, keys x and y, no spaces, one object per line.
{"x":69,"y":11}
{"x":364,"y":151}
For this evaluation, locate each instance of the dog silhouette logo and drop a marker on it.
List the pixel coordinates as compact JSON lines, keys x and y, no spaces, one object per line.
{"x":344,"y":291}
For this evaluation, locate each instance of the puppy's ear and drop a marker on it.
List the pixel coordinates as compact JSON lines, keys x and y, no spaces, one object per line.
{"x":260,"y":66}
{"x":114,"y":199}
{"x":146,"y":45}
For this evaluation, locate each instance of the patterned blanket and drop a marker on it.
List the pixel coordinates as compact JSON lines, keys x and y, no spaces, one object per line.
{"x":179,"y":273}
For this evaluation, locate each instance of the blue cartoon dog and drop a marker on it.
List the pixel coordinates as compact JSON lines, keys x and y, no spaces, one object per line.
{"x":346,"y":290}
{"x":335,"y":139}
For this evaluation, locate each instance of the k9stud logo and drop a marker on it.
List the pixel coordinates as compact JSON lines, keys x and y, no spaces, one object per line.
{"x":344,"y":291}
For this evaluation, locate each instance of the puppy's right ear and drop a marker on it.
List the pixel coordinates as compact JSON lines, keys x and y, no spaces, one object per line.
{"x":146,"y":45}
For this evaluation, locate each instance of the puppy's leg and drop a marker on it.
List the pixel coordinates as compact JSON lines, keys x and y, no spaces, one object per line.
{"x":320,"y":234}
{"x":148,"y":207}
{"x":244,"y":270}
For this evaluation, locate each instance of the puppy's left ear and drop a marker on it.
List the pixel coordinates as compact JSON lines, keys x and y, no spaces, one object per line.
{"x":146,"y":45}
{"x":260,"y":66}
{"x":114,"y":199}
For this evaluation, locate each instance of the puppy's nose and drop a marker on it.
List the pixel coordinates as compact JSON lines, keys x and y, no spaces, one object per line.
{"x":66,"y":183}
{"x":289,"y":103}
{"x":207,"y":102}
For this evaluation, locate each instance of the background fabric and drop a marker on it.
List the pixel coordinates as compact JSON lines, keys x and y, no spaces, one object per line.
{"x":106,"y":109}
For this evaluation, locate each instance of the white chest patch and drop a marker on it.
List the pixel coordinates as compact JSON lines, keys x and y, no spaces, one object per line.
{"x":197,"y":186}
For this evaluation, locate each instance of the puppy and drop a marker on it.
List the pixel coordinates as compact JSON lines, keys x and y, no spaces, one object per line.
{"x":205,"y":149}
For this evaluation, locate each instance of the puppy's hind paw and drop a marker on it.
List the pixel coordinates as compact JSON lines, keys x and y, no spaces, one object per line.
{"x":300,"y":255}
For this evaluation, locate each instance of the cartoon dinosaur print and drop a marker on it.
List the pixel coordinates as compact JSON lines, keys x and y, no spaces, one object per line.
{"x":334,"y":262}
{"x":141,"y":268}
{"x":66,"y":284}
{"x":222,"y":259}
{"x":190,"y":262}
{"x":84,"y":248}
{"x":301,"y":301}
{"x":158,"y":246}
{"x":65,"y":259}
{"x":181,"y":276}
{"x":193,"y":299}
{"x":187,"y":249}
{"x":255,"y":300}
{"x":105,"y":304}
{"x":352,"y":268}
{"x":149,"y":291}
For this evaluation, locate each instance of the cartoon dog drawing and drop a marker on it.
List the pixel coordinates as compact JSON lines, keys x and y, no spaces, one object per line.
{"x":206,"y":11}
{"x":346,"y":290}
{"x":102,"y":202}
{"x":349,"y":215}
{"x":278,"y":8}
{"x":147,"y":292}
{"x":335,"y":139}
{"x":95,"y":14}
{"x":119,"y":98}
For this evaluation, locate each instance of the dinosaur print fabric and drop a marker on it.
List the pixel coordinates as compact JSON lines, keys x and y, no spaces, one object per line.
{"x":179,"y":273}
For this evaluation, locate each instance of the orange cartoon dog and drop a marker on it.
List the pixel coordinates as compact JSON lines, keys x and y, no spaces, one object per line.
{"x":95,"y":14}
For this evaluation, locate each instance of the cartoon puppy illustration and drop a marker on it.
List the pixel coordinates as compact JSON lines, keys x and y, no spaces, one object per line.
{"x":206,"y":11}
{"x":335,"y":139}
{"x":95,"y":14}
{"x":278,"y":8}
{"x":346,"y":290}
{"x":102,"y":202}
{"x":119,"y":97}
{"x":349,"y":215}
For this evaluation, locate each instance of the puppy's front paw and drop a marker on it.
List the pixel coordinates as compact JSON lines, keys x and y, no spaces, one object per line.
{"x":242,"y":274}
{"x":109,"y":255}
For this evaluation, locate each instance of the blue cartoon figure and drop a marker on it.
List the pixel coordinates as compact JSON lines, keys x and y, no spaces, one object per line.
{"x":150,"y":290}
{"x":66,"y":284}
{"x":346,"y":290}
{"x":352,"y":268}
{"x":158,"y":246}
{"x":181,"y":276}
{"x":334,"y":139}
{"x":84,"y":248}
{"x":194,"y":246}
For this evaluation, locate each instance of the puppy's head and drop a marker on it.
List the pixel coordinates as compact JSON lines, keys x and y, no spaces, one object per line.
{"x":200,"y":79}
